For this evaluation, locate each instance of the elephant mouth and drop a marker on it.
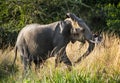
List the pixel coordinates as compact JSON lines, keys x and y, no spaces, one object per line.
{"x":96,"y":40}
{"x":92,"y":41}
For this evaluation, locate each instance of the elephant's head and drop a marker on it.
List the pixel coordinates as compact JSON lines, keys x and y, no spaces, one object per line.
{"x":81,"y":32}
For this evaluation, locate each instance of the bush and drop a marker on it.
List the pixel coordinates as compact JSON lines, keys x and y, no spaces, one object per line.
{"x":100,"y":15}
{"x":112,"y":17}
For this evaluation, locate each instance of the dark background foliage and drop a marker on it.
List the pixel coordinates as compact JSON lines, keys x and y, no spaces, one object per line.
{"x":100,"y":15}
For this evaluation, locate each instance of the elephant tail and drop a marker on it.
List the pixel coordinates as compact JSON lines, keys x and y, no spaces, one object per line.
{"x":15,"y":56}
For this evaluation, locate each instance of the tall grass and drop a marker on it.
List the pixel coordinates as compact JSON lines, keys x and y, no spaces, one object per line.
{"x":101,"y":66}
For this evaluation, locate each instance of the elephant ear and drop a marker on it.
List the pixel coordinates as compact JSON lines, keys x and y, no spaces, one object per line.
{"x":70,"y":15}
{"x":73,"y":17}
{"x":66,"y":25}
{"x":75,"y":22}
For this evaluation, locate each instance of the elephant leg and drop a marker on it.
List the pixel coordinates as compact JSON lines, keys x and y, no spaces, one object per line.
{"x":62,"y":57}
{"x":37,"y":62}
{"x":23,"y":59}
{"x":58,"y":57}
{"x":29,"y":62}
{"x":66,"y":61}
{"x":25,"y":63}
{"x":57,"y":61}
{"x":26,"y":59}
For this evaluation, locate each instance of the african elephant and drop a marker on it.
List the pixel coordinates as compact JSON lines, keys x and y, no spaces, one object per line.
{"x":86,"y":35}
{"x":37,"y":42}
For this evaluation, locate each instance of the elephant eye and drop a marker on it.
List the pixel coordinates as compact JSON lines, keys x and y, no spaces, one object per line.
{"x":80,"y":30}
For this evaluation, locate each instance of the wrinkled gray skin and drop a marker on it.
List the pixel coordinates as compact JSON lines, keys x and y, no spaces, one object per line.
{"x":37,"y":42}
{"x":87,"y":36}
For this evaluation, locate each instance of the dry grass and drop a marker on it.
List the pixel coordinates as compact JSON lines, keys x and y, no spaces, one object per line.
{"x":104,"y":60}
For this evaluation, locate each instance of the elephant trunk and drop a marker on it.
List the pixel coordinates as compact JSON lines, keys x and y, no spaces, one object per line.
{"x":89,"y":50}
{"x":92,"y":40}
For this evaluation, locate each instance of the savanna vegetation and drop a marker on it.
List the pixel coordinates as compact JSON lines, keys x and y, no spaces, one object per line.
{"x":101,"y":66}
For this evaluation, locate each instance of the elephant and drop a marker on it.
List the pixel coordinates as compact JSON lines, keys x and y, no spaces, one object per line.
{"x":36,"y":42}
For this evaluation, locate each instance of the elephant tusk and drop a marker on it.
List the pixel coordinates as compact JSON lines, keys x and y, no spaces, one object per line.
{"x":96,"y":41}
{"x":92,"y":41}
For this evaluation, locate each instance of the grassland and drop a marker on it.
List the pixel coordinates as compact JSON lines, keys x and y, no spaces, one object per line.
{"x":101,"y":66}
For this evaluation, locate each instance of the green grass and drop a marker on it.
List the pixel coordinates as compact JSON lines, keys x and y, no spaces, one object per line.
{"x":101,"y":66}
{"x":62,"y":77}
